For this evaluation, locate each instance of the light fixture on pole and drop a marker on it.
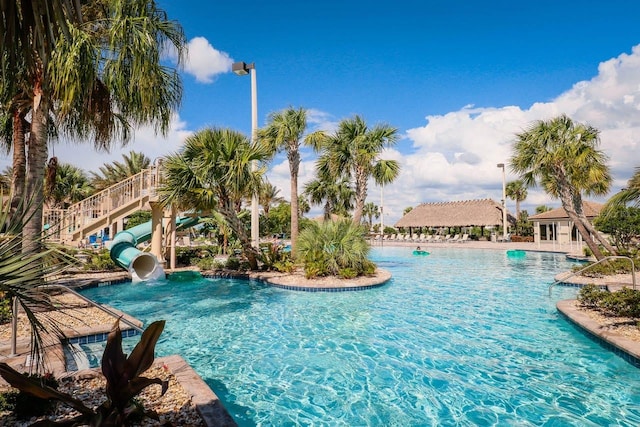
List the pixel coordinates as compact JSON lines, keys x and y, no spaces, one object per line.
{"x":504,"y":203}
{"x":242,"y":69}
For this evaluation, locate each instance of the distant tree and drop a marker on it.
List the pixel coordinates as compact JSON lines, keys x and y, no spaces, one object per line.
{"x":622,"y":224}
{"x":69,"y":185}
{"x":370,"y":211}
{"x":563,"y":157}
{"x":138,"y":218}
{"x":517,"y":191}
{"x":407,"y":210}
{"x":335,"y":194}
{"x":542,"y":209}
{"x":303,"y":206}
{"x":523,"y":225}
{"x":268,"y":196}
{"x":114,"y":172}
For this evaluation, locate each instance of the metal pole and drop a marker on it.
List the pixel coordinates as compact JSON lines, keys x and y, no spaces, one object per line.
{"x":504,"y":205}
{"x":381,"y":213}
{"x":255,"y":218}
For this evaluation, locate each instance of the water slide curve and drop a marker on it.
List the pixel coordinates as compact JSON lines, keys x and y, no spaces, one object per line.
{"x":141,"y":265}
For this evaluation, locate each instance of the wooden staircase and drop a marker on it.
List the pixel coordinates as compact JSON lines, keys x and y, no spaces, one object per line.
{"x":89,"y":216}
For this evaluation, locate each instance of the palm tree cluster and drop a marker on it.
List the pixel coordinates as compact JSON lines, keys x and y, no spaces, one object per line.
{"x":88,"y":70}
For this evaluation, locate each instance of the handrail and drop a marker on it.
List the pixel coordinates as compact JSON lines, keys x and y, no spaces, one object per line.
{"x":96,"y":305}
{"x":575,"y":273}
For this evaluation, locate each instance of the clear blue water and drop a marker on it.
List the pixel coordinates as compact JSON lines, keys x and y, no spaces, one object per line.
{"x":461,"y":337}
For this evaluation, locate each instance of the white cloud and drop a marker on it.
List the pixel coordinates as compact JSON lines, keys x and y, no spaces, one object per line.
{"x":455,"y":154}
{"x":205,"y":62}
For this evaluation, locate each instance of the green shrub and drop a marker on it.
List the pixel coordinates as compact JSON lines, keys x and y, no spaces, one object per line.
{"x":271,"y":254}
{"x":607,"y":268}
{"x":284,"y":266}
{"x":208,"y":263}
{"x":26,"y":405}
{"x":348,"y":273}
{"x":232,"y":263}
{"x":8,"y":400}
{"x":591,"y":295}
{"x":100,"y":261}
{"x":333,"y":246}
{"x":586,"y":251}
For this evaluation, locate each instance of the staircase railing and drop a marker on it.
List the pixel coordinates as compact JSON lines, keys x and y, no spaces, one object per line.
{"x":60,"y":224}
{"x":575,"y":273}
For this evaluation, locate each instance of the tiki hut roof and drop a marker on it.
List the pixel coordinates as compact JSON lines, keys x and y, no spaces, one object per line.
{"x":591,"y":210}
{"x":485,"y":212}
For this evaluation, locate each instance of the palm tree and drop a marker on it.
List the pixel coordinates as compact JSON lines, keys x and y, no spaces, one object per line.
{"x":213,"y":172}
{"x":335,"y":194}
{"x":284,"y":132}
{"x":516,"y":190}
{"x":268,"y":196}
{"x":370,"y":211}
{"x":542,"y":209}
{"x":354,"y":150}
{"x":112,"y":173}
{"x":96,"y":65}
{"x":70,"y":185}
{"x":564,"y":158}
{"x":631,"y":194}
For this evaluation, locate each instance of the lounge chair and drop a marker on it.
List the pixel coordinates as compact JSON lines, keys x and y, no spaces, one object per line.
{"x":437,"y":238}
{"x":464,"y":238}
{"x":454,"y":238}
{"x":428,"y":238}
{"x":446,"y":238}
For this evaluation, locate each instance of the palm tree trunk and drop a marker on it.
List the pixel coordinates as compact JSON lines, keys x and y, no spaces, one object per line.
{"x":294,"y":208}
{"x":361,"y":194}
{"x":37,"y":159}
{"x":236,"y":225}
{"x":579,"y":207}
{"x":567,"y":204}
{"x":19,"y":163}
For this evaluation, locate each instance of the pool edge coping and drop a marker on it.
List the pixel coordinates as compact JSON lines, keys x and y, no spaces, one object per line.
{"x":629,"y":349}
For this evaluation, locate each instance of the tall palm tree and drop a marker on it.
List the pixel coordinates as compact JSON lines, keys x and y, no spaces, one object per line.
{"x":563,"y":157}
{"x":112,"y":173}
{"x":517,"y":191}
{"x":370,"y":211}
{"x":354,"y":149}
{"x":213,"y":172}
{"x":335,"y":194}
{"x":96,"y":65}
{"x":284,"y":131}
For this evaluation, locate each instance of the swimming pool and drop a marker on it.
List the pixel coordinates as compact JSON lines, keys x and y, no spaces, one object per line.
{"x":461,"y":337}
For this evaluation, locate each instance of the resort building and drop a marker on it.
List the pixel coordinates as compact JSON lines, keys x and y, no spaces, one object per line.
{"x":468,"y":213}
{"x":554,"y":226}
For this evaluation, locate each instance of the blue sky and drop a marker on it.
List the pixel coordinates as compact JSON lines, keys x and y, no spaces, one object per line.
{"x":457,"y":78}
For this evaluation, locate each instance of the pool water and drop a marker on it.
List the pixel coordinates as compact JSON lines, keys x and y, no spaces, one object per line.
{"x":461,"y":337}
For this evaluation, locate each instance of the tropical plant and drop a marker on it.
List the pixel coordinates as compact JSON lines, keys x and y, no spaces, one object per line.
{"x":621,"y":223}
{"x":407,"y":210}
{"x":335,"y":194}
{"x":123,"y":376}
{"x":516,"y":191}
{"x":96,"y":65}
{"x":564,"y":158}
{"x":370,"y":211}
{"x":137,"y":218}
{"x":630,"y":194}
{"x":70,"y":185}
{"x":213,"y":172}
{"x":284,"y":131}
{"x":354,"y":150}
{"x":22,"y":277}
{"x":337,"y":248}
{"x":112,"y":173}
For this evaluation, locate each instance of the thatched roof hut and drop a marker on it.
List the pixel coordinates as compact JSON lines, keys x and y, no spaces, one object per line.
{"x":478,"y":213}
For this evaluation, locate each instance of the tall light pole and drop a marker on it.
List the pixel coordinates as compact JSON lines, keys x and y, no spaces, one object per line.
{"x":504,"y":203}
{"x":242,"y":69}
{"x":381,"y":213}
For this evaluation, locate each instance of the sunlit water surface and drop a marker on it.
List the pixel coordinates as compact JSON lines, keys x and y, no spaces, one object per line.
{"x":459,"y":337}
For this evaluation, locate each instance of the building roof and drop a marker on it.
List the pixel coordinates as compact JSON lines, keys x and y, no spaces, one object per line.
{"x":484,"y":212}
{"x":591,"y":210}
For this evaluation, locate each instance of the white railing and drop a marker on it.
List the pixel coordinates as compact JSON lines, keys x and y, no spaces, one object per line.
{"x":65,"y":225}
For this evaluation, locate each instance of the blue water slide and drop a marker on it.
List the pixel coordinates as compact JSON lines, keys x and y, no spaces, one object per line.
{"x":141,"y":265}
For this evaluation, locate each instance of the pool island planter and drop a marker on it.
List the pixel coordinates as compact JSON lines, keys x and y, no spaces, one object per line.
{"x":296,"y":281}
{"x":628,"y":349}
